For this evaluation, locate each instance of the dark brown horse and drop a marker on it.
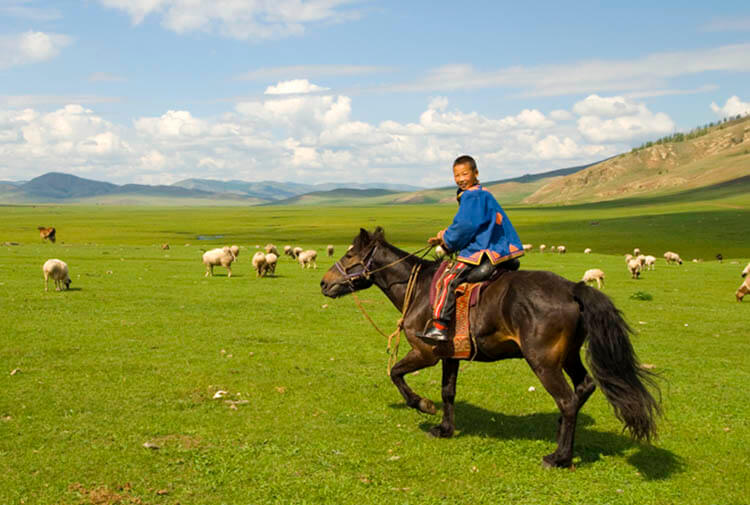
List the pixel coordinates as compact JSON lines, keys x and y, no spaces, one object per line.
{"x":535,"y":315}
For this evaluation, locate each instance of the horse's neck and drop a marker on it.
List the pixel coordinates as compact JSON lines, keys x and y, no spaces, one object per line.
{"x":393,"y":280}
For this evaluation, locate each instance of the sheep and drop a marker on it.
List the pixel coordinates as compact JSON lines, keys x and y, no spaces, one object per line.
{"x":636,"y":252}
{"x":221,"y":256}
{"x":271,"y":260}
{"x":527,"y":247}
{"x":634,"y":266}
{"x":296,"y":252}
{"x":587,"y":250}
{"x":672,"y":257}
{"x":58,"y":270}
{"x":307,"y":258}
{"x":236,"y":251}
{"x":165,"y":247}
{"x":743,"y":289}
{"x":650,"y":262}
{"x":594,"y":275}
{"x":746,"y":271}
{"x":542,"y":248}
{"x":642,"y":259}
{"x":271,"y":249}
{"x":329,"y":249}
{"x":561,"y":249}
{"x":628,"y":257}
{"x":259,"y":264}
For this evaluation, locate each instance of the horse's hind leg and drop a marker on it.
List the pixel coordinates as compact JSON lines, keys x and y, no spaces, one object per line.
{"x":412,"y":362}
{"x":582,"y":381}
{"x":450,"y":374}
{"x":567,"y":401}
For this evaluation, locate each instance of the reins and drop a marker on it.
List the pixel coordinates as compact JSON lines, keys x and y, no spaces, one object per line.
{"x":392,"y":348}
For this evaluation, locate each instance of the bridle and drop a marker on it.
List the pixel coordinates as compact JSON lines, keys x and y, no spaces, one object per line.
{"x":367,"y":262}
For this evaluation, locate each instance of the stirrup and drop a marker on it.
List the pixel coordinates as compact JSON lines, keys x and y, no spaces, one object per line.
{"x":434,"y":336}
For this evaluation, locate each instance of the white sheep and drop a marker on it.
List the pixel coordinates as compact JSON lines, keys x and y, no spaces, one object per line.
{"x":746,"y":271}
{"x":527,"y":247}
{"x":634,"y":267}
{"x":743,"y":289}
{"x":542,"y":248}
{"x":236,"y":251}
{"x":271,"y":260}
{"x":329,"y":250}
{"x":628,"y":257}
{"x":587,"y":250}
{"x":594,"y":275}
{"x":561,"y":249}
{"x":220,"y":256}
{"x":271,"y":249}
{"x":650,"y":262}
{"x":296,"y":252}
{"x":642,"y":259}
{"x":259,"y":264}
{"x":636,"y":252}
{"x":307,"y":258}
{"x":288,"y":250}
{"x":58,"y":270}
{"x":672,"y":257}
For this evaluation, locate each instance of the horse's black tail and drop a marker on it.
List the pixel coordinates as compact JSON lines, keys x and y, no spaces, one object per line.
{"x":614,"y":364}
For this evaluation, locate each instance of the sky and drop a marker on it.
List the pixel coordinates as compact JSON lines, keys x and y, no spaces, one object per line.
{"x":313,"y":91}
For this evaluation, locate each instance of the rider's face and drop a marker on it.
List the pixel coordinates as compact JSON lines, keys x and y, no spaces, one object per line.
{"x":464,"y":176}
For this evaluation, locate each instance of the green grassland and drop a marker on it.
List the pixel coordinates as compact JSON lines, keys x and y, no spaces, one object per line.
{"x":135,"y":352}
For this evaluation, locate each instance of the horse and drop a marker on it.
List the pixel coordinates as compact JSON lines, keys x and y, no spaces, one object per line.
{"x":535,"y":315}
{"x":47,"y":233}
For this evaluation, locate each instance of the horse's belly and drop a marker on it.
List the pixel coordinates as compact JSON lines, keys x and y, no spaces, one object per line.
{"x":498,"y":346}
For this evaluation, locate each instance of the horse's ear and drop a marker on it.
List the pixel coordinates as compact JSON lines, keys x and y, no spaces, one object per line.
{"x":362,"y":239}
{"x":379,"y":234}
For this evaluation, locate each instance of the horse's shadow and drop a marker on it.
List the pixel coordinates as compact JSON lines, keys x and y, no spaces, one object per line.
{"x":652,"y":462}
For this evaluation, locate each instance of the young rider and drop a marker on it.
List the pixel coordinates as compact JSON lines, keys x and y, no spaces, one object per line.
{"x":482,"y":235}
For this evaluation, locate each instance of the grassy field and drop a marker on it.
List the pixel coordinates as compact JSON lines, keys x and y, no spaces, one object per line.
{"x":135,"y":352}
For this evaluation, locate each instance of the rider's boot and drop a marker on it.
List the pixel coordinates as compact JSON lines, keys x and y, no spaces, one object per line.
{"x":436,"y":334}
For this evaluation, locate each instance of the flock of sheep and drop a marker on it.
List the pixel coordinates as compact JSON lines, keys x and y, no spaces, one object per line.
{"x":264,"y":263}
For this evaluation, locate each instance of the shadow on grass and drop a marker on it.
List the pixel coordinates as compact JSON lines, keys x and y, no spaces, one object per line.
{"x":652,"y":462}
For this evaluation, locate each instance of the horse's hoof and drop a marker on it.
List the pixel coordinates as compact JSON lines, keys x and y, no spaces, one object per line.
{"x":549,"y":461}
{"x":426,"y":406}
{"x":440,"y":432}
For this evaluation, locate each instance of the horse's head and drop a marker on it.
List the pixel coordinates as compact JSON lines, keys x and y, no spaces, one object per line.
{"x":351,"y":272}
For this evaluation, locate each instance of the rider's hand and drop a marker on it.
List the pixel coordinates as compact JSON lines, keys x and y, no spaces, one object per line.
{"x":435,"y":241}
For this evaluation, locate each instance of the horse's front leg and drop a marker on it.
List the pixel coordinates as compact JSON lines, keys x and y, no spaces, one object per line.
{"x":412,"y":362}
{"x":450,"y":375}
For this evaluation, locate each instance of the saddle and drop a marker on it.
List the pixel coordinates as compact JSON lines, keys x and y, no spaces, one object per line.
{"x":467,"y":296}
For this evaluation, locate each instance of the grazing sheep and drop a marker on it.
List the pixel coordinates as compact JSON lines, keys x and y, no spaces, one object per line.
{"x":58,"y":270}
{"x":634,"y":267}
{"x":288,"y":250}
{"x":542,"y":248}
{"x":439,"y":252}
{"x":672,"y":257}
{"x":743,"y":289}
{"x":650,"y":262}
{"x":329,"y":249}
{"x":628,"y":257}
{"x":594,"y":275}
{"x":587,"y":250}
{"x":746,"y":271}
{"x":642,"y":259}
{"x":165,"y":247}
{"x":307,"y":258}
{"x":221,"y":256}
{"x":636,"y":252}
{"x":271,"y":249}
{"x":271,"y":260}
{"x":259,"y":264}
{"x":236,"y":251}
{"x":296,"y":252}
{"x":527,"y":247}
{"x":561,"y":249}
{"x":47,"y":233}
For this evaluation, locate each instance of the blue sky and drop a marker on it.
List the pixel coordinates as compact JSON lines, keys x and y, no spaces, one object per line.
{"x":155,"y":91}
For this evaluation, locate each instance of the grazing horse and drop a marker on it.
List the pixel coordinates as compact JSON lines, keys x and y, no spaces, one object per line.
{"x":535,"y":315}
{"x":47,"y":233}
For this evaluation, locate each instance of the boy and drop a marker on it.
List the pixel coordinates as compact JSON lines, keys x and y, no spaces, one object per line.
{"x":484,"y":238}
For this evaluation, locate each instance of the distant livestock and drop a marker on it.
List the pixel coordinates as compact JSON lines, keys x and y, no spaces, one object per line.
{"x":743,"y":289}
{"x":296,"y":252}
{"x":561,"y":249}
{"x":271,"y":260}
{"x":47,"y":233}
{"x":307,"y":258}
{"x":58,"y":270}
{"x":650,"y":262}
{"x":542,"y":248}
{"x":528,"y":247}
{"x":636,"y":252}
{"x":221,"y":256}
{"x":672,"y":257}
{"x":165,"y":247}
{"x":236,"y":251}
{"x":259,"y":264}
{"x":271,"y":249}
{"x":329,"y":250}
{"x":288,"y":250}
{"x":594,"y":275}
{"x":746,"y":271}
{"x":634,"y":267}
{"x":587,"y":250}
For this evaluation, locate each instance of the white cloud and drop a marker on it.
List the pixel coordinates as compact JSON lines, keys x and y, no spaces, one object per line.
{"x":177,"y":123}
{"x":732,"y":107}
{"x":295,"y":86}
{"x":309,"y":71}
{"x":236,"y":18}
{"x":560,"y":115}
{"x":649,"y":72}
{"x":30,"y":47}
{"x":618,"y":119}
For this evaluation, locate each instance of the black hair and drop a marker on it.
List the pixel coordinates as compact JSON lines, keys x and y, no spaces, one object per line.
{"x":468,"y":160}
